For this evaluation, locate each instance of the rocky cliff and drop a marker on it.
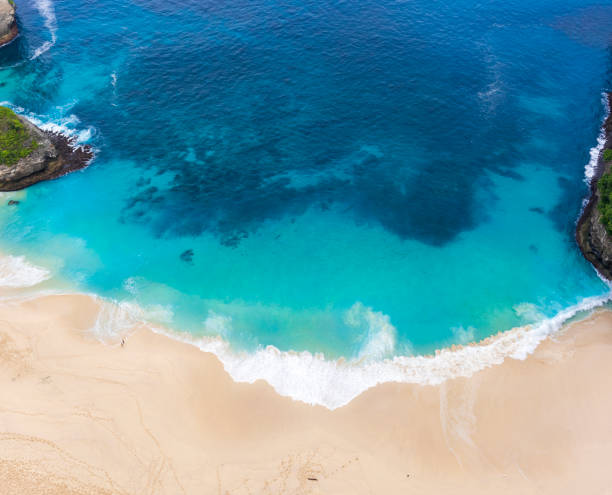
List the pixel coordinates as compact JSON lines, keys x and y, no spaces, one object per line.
{"x":8,"y":25}
{"x":29,"y":155}
{"x":593,"y":238}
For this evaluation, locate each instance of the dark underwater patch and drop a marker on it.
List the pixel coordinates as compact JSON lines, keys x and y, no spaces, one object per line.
{"x":254,"y":118}
{"x":187,"y":256}
{"x":566,"y":211}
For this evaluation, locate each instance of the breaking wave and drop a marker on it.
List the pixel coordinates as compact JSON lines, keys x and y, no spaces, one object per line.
{"x":68,"y":125}
{"x":590,"y":168}
{"x":16,"y":272}
{"x":313,"y":379}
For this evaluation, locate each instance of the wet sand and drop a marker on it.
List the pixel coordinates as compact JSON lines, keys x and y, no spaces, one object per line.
{"x":156,"y":416}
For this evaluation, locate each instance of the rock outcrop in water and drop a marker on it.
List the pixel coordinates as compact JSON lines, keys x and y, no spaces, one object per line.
{"x":8,"y":25}
{"x":593,"y":238}
{"x":29,"y":155}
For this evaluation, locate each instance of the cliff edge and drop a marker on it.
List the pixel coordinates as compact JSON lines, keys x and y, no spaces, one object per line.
{"x":8,"y":24}
{"x":29,"y":155}
{"x":594,"y":238}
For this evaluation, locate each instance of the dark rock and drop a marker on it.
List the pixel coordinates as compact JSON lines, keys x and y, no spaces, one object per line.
{"x":591,"y":235}
{"x":13,"y":202}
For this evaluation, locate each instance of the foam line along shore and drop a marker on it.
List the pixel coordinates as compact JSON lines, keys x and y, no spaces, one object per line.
{"x":303,"y":376}
{"x":155,"y":401}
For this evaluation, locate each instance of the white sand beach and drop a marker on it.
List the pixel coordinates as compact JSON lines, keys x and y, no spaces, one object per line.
{"x":157,"y":416}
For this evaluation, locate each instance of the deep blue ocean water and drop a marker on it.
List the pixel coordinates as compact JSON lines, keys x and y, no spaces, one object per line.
{"x":363,"y":179}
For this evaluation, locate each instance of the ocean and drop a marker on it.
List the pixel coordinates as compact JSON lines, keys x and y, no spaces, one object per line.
{"x":322,"y":193}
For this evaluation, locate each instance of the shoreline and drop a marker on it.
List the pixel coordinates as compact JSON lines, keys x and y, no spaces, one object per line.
{"x":302,"y":376}
{"x":590,"y":236}
{"x":70,"y":157}
{"x":176,"y":422}
{"x":97,"y":398}
{"x":306,"y":377}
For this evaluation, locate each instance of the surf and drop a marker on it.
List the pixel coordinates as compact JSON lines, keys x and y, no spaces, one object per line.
{"x":45,"y":7}
{"x":313,"y":379}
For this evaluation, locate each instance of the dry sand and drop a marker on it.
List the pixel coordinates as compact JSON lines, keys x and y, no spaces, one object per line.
{"x":161,"y":417}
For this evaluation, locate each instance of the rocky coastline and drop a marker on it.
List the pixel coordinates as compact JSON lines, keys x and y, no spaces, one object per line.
{"x":8,"y":23}
{"x":594,"y":240}
{"x":53,"y":155}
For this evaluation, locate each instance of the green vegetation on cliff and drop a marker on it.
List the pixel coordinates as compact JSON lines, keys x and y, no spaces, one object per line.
{"x":15,"y":140}
{"x":607,"y":155}
{"x":604,"y":187}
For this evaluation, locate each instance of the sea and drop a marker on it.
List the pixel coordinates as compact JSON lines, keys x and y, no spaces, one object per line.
{"x":323,"y":193}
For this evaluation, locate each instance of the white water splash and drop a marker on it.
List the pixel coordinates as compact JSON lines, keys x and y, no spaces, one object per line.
{"x":16,"y":272}
{"x":68,"y":125}
{"x":116,"y":319}
{"x":45,"y":7}
{"x":312,"y":379}
{"x":380,"y":334}
{"x":591,"y":167}
{"x":64,"y":125}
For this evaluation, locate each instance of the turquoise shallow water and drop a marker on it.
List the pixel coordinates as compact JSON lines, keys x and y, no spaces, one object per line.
{"x":363,"y":180}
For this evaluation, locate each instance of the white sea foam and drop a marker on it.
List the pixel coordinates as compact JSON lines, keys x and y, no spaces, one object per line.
{"x":15,"y":272}
{"x":159,"y":313}
{"x":491,"y":96}
{"x":68,"y":125}
{"x":116,"y":319}
{"x":217,"y":324}
{"x":64,"y":125}
{"x":528,"y":312}
{"x":380,"y":334}
{"x":129,"y":284}
{"x":591,"y":167}
{"x":45,"y":7}
{"x":313,"y":379}
{"x":464,"y":336}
